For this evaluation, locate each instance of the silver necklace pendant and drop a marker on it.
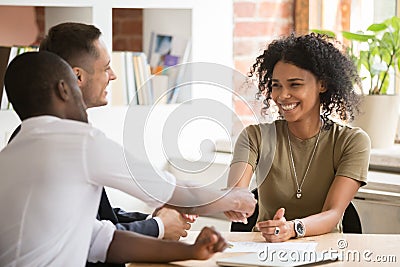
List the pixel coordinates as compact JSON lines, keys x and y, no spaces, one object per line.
{"x":300,"y":184}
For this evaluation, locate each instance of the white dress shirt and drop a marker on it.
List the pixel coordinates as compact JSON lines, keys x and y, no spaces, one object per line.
{"x":51,"y":179}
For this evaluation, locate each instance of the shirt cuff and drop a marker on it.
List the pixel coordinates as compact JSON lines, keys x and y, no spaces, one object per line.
{"x":102,"y":235}
{"x":160,"y":227}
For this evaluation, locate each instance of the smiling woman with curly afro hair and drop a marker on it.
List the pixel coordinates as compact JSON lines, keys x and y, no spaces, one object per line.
{"x":314,"y":163}
{"x":319,"y":55}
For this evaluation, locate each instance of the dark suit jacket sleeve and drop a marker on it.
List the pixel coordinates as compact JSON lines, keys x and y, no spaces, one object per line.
{"x":129,"y":221}
{"x":126,"y":217}
{"x":136,"y":222}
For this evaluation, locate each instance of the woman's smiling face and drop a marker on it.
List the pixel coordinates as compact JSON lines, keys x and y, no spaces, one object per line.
{"x":295,"y":91}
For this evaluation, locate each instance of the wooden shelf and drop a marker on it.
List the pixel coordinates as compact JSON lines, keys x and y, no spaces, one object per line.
{"x":170,"y":4}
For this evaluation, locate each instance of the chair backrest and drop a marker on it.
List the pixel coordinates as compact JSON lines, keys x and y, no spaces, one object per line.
{"x":351,"y":221}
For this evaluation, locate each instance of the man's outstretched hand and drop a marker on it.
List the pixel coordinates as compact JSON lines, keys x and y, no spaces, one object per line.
{"x":245,"y":204}
{"x":208,"y":243}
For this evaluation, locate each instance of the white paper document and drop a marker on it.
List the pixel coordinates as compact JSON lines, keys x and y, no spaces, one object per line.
{"x":261,"y":246}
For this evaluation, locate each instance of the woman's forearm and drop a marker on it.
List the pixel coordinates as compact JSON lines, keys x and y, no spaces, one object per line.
{"x":321,"y":223}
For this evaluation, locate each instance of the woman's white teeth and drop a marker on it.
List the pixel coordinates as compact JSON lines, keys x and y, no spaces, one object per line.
{"x":289,"y":106}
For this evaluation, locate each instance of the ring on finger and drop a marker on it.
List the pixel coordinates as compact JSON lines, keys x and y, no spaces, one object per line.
{"x":277,"y":230}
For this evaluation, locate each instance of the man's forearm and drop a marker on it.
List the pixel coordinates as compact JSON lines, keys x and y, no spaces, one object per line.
{"x":207,"y":201}
{"x":219,"y":205}
{"x":131,"y":247}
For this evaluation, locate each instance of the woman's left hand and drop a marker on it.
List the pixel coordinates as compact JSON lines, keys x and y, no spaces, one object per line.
{"x":277,"y":229}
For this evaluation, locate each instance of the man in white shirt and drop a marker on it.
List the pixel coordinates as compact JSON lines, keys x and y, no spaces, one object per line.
{"x":82,"y":47}
{"x":57,"y":166}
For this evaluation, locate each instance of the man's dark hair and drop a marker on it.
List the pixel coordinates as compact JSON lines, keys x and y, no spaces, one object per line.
{"x":30,"y":79}
{"x":74,"y":42}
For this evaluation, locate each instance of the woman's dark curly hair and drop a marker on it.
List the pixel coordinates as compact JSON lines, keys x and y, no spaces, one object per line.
{"x":317,"y":54}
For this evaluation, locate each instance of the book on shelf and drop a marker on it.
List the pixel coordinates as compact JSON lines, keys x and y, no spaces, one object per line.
{"x":180,"y":73}
{"x":119,"y":87}
{"x":130,"y":90}
{"x":7,"y":54}
{"x":134,"y":83}
{"x":166,"y":51}
{"x":144,"y":88}
{"x":160,"y":88}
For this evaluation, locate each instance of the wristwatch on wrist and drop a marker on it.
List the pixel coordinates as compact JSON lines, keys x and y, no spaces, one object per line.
{"x":299,"y":228}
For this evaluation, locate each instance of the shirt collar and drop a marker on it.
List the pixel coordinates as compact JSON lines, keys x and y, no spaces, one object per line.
{"x":35,"y":122}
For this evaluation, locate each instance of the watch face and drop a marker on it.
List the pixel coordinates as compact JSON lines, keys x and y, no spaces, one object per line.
{"x":299,"y":228}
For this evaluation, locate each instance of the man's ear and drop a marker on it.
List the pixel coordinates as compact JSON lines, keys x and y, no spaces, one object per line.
{"x":79,"y":74}
{"x":62,"y":91}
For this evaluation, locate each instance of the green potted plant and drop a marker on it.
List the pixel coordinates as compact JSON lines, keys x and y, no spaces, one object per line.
{"x":376,"y":53}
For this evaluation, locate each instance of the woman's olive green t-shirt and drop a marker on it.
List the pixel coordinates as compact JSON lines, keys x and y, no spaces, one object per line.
{"x":341,"y":151}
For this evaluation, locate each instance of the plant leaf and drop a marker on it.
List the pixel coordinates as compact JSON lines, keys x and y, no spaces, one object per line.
{"x":360,"y":37}
{"x":393,"y":22}
{"x":377,"y":27}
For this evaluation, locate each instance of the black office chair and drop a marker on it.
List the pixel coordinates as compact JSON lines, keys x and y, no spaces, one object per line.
{"x":351,"y":221}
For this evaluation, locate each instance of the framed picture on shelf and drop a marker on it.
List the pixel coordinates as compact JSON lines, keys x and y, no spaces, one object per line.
{"x":167,"y":51}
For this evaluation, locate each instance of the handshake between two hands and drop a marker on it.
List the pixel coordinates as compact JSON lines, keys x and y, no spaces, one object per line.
{"x":237,"y":203}
{"x":245,"y":204}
